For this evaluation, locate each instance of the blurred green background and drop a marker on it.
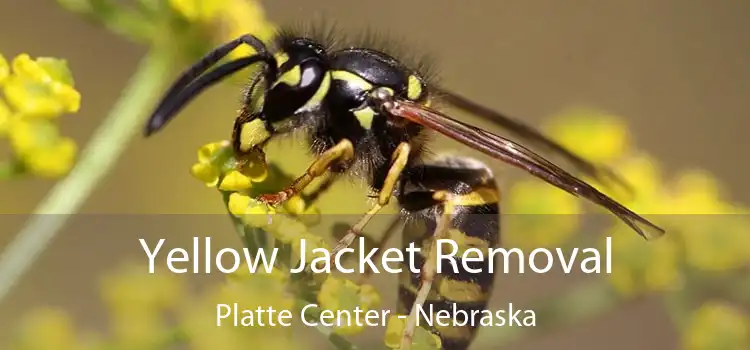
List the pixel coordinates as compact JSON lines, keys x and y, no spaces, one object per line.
{"x":676,"y":71}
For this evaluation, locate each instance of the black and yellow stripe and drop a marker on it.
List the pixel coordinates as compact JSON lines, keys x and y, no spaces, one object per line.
{"x":472,"y":196}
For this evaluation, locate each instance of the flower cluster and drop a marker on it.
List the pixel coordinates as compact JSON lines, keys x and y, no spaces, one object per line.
{"x":240,"y":182}
{"x":717,"y":325}
{"x":36,"y":93}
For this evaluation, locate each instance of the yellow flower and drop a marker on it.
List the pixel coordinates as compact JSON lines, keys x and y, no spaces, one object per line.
{"x":541,"y":215}
{"x":342,"y":294}
{"x":235,"y":181}
{"x":41,"y":88}
{"x":239,"y":17}
{"x":216,"y":161}
{"x":287,"y":230}
{"x":48,"y":329}
{"x":715,"y":235}
{"x":640,"y":266}
{"x":697,"y":192}
{"x":38,"y":144}
{"x":136,"y":302}
{"x":198,"y":10}
{"x":4,"y":69}
{"x":423,"y":339}
{"x":131,"y":287}
{"x":249,"y":292}
{"x":253,"y":213}
{"x":596,"y":136}
{"x":6,"y":116}
{"x":717,"y":326}
{"x":642,"y":172}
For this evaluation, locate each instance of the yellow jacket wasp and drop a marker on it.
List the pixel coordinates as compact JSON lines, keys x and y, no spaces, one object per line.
{"x":367,"y":113}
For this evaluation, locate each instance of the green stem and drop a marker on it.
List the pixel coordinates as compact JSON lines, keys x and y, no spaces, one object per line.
{"x":102,"y":152}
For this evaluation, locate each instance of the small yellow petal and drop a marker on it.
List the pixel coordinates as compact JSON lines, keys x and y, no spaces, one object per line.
{"x":4,"y":69}
{"x":422,"y":340}
{"x":35,"y":98}
{"x":25,"y":66}
{"x":717,"y":325}
{"x":234,"y":181}
{"x":5,"y":117}
{"x":69,"y":98}
{"x":198,"y":10}
{"x":56,"y":325}
{"x":29,"y":135}
{"x":53,"y":161}
{"x":240,"y":17}
{"x":287,"y":230}
{"x":238,"y":203}
{"x":295,"y":205}
{"x":394,"y":331}
{"x":206,"y":173}
{"x":207,"y":152}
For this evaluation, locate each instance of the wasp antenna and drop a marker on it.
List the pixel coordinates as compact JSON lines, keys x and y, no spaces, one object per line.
{"x":176,"y":96}
{"x":169,"y":108}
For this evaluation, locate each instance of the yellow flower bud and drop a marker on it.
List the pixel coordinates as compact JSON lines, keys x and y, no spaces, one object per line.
{"x":4,"y":69}
{"x":258,"y":214}
{"x":56,"y":325}
{"x":198,"y":10}
{"x":42,"y":87}
{"x":294,"y":205}
{"x":40,"y":99}
{"x":342,"y":294}
{"x":53,"y":161}
{"x":423,"y":339}
{"x":39,"y":146}
{"x":207,"y":152}
{"x":717,"y":325}
{"x":206,"y":173}
{"x":239,"y":17}
{"x":640,"y":267}
{"x":238,"y":204}
{"x":286,"y":230}
{"x":234,"y":181}
{"x":5,"y":117}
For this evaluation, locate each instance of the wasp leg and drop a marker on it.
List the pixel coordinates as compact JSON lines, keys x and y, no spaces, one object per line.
{"x":398,"y":163}
{"x":341,"y":152}
{"x":330,"y":178}
{"x":429,"y":269}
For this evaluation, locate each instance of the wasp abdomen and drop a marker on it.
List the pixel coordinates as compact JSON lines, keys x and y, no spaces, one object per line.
{"x":461,"y":288}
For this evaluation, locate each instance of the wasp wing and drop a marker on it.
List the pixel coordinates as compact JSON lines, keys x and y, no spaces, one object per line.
{"x":517,"y":155}
{"x":530,"y":134}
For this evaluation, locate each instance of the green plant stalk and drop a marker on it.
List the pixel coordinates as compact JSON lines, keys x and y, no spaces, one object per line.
{"x":95,"y":161}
